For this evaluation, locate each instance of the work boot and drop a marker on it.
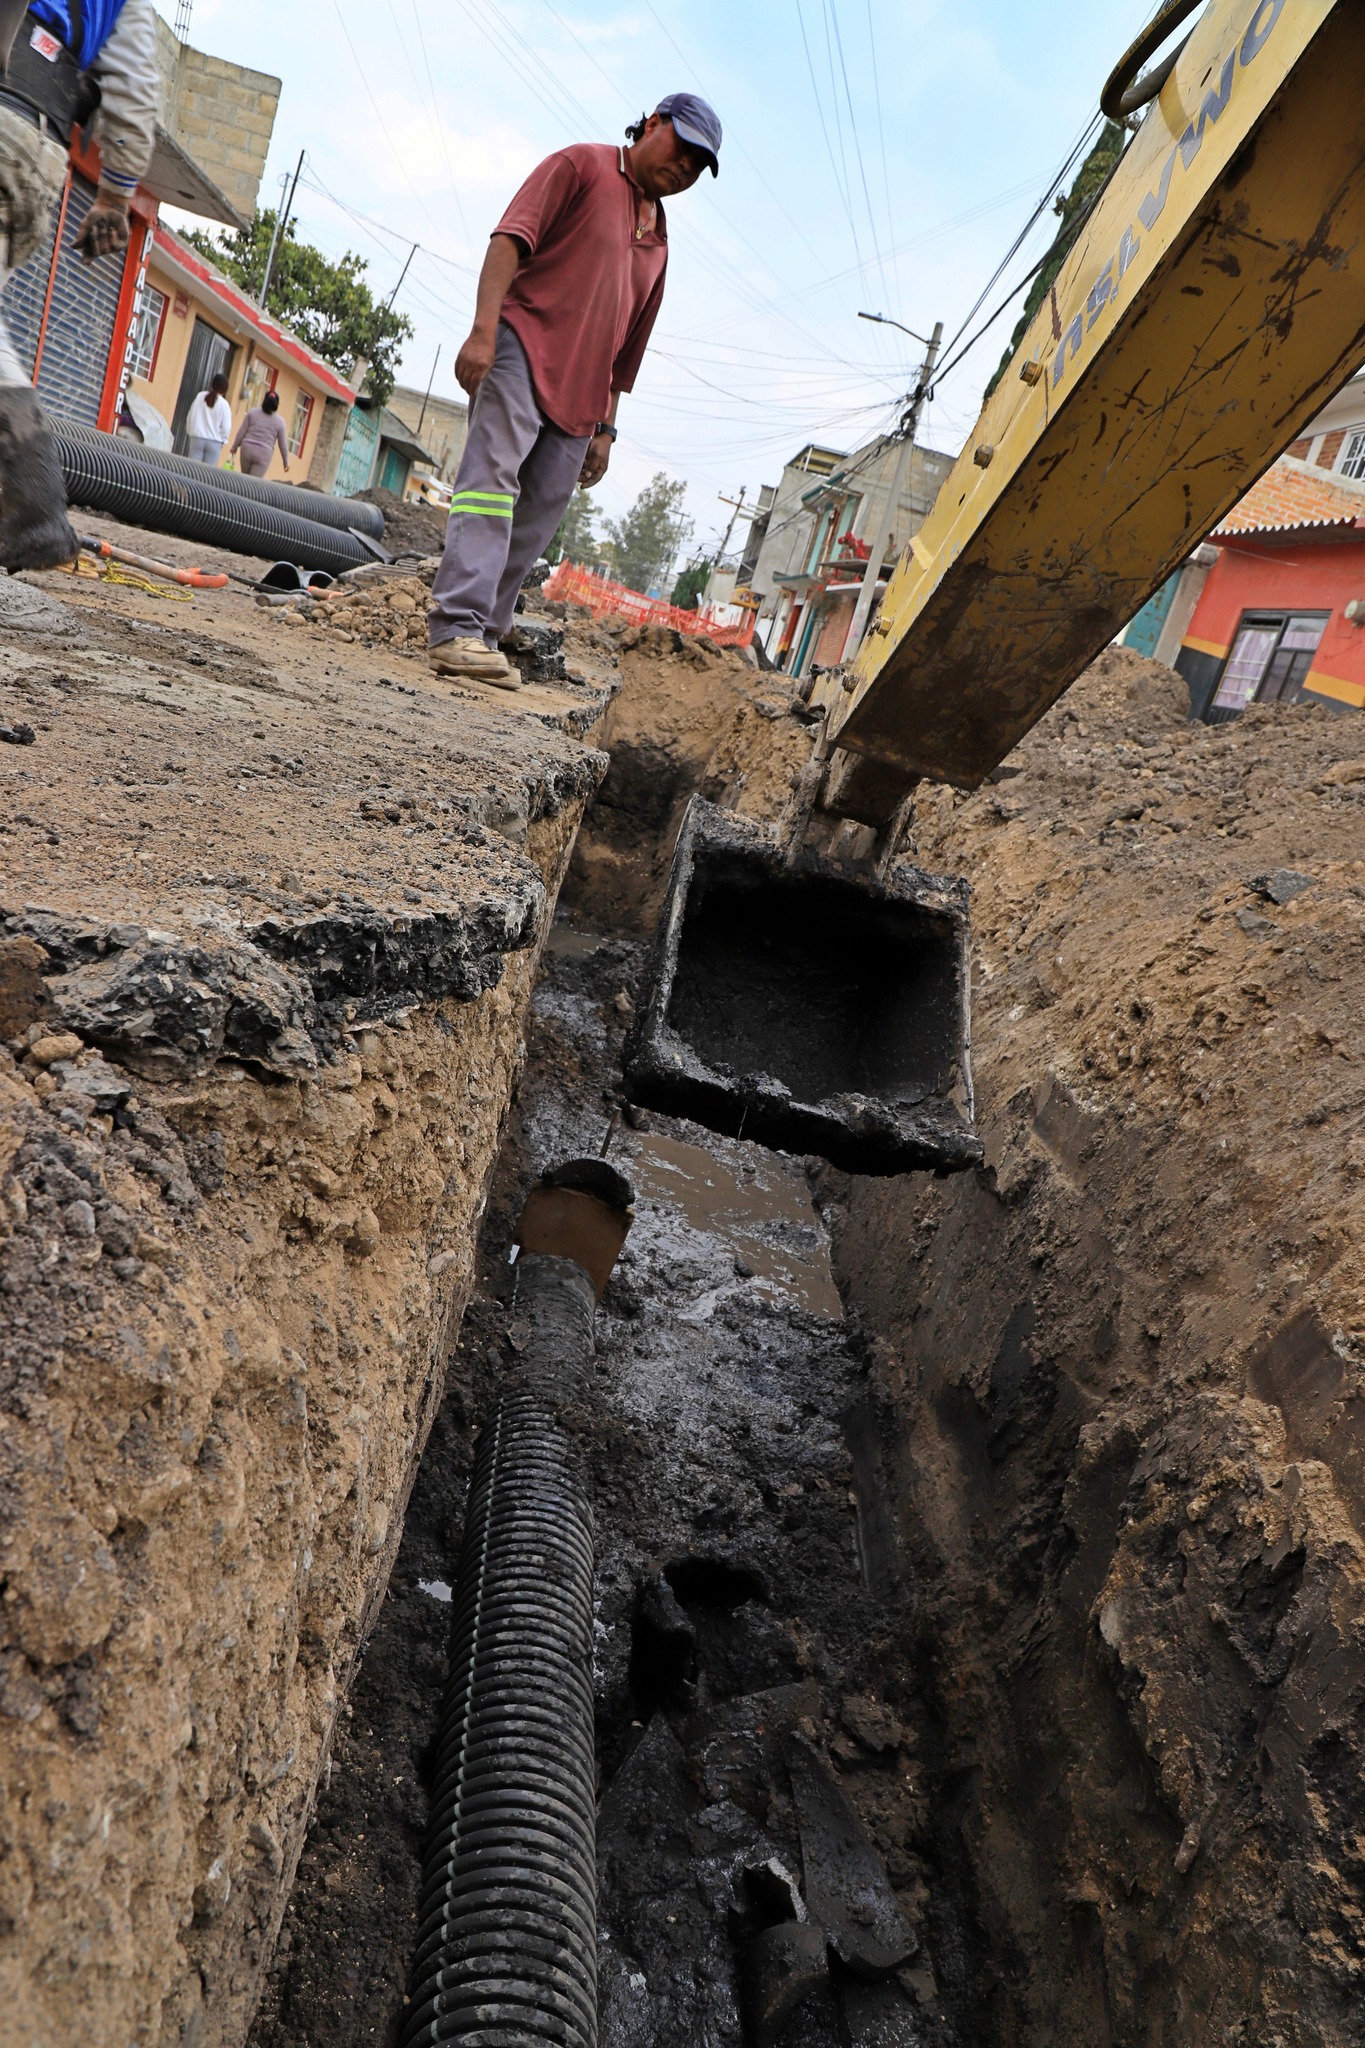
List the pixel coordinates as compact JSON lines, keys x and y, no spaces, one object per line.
{"x":471,"y":660}
{"x":35,"y":532}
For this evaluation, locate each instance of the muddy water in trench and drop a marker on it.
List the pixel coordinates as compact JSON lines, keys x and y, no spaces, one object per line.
{"x":751,"y":1608}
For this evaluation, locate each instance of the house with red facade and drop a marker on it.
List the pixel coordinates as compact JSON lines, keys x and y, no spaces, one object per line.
{"x":1272,"y":606}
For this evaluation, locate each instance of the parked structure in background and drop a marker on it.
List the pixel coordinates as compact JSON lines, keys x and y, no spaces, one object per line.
{"x":1272,"y":605}
{"x":75,"y":324}
{"x":439,"y":424}
{"x":809,"y":544}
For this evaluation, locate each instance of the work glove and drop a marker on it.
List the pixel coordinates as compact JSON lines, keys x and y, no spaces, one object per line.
{"x":104,"y":232}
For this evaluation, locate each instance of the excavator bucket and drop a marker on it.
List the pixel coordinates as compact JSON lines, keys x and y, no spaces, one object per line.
{"x":806,"y":1008}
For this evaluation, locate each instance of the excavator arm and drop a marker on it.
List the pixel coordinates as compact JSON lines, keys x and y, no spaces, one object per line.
{"x":1213,"y":301}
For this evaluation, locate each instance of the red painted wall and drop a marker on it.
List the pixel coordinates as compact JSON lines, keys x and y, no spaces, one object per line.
{"x":1304,"y":575}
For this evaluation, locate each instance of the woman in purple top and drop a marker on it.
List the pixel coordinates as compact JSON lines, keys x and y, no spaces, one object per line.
{"x":260,"y":434}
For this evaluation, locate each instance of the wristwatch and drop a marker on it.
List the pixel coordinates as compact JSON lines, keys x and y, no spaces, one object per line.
{"x":604,"y":427}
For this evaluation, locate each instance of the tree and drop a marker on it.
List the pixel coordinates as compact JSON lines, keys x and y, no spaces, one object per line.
{"x":328,"y":305}
{"x":575,"y":538}
{"x":690,"y":585}
{"x":1089,"y":182}
{"x":645,"y":544}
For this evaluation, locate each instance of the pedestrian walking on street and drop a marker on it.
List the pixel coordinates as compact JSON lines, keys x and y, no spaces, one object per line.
{"x":59,"y":61}
{"x":210,"y":422}
{"x":567,"y":298}
{"x":260,"y":434}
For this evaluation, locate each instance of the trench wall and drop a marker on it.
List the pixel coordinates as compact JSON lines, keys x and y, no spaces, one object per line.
{"x":1120,"y":1372}
{"x":225,"y":1300}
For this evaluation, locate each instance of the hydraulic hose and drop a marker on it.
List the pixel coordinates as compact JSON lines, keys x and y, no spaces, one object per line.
{"x":507,"y":1941}
{"x":102,"y":476}
{"x":344,"y":513}
{"x":1124,"y":91}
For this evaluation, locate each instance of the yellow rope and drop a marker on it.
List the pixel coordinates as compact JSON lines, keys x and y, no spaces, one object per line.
{"x":114,"y":572}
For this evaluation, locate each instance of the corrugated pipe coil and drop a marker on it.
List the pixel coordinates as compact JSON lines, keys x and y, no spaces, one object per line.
{"x":104,"y":478}
{"x":507,"y":1941}
{"x":315,"y":505}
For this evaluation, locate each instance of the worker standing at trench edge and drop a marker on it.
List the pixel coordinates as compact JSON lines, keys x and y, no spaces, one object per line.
{"x":567,"y":299}
{"x":63,"y":64}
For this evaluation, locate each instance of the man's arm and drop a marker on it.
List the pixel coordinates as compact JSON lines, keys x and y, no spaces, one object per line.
{"x":127,"y":74}
{"x":500,"y":266}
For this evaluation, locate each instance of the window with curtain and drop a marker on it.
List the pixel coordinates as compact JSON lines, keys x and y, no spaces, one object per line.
{"x":1270,"y":657}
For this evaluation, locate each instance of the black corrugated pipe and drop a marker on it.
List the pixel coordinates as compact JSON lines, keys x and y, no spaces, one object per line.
{"x":105,"y":478}
{"x":507,"y":1941}
{"x":315,"y":505}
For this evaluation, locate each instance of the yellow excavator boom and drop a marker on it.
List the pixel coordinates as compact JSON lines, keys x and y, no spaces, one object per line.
{"x":1213,"y":301}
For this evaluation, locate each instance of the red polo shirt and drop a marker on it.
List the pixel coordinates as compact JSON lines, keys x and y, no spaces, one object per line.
{"x":585,"y":300}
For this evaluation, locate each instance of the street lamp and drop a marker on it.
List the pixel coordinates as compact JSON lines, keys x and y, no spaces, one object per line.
{"x":885,"y":320}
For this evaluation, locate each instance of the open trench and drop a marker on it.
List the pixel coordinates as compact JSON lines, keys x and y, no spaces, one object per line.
{"x":1005,"y":1527}
{"x":750,"y":1594}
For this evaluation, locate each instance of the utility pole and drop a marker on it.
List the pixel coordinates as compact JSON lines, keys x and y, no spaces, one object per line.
{"x":738,"y":504}
{"x":281,"y":230}
{"x":401,"y":275}
{"x":886,"y":525}
{"x":427,"y":400}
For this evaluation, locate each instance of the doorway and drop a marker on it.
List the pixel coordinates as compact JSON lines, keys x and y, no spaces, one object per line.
{"x":209,"y":352}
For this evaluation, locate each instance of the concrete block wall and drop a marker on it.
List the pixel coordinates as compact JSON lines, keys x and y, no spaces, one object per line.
{"x":222,"y":114}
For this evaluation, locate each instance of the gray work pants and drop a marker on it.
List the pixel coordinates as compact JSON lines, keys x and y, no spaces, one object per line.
{"x":516,"y":477}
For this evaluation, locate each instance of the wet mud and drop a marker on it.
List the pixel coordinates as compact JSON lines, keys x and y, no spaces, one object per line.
{"x":753,"y":1705}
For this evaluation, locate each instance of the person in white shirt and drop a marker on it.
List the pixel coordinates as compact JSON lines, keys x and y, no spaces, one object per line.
{"x":209,"y":423}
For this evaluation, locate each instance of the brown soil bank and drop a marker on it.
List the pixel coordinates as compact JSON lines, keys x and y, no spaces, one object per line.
{"x":1122,"y":1369}
{"x":270,"y":909}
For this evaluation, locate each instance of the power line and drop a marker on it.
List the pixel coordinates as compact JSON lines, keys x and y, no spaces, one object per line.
{"x":440,"y":122}
{"x":824,"y":126}
{"x":881,"y":135}
{"x":336,"y":4}
{"x":857,"y":145}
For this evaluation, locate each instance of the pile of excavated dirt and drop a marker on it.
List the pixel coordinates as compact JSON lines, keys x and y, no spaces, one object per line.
{"x":408,"y":529}
{"x":1122,"y":1369}
{"x":269,"y":921}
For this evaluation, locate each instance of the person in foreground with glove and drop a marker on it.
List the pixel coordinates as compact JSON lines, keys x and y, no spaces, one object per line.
{"x":63,"y":64}
{"x":568,"y":296}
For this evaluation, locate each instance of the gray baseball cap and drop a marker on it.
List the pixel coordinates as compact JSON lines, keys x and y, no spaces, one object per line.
{"x":696,"y":122}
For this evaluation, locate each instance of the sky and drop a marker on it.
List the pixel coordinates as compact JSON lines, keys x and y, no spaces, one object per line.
{"x":879,"y":156}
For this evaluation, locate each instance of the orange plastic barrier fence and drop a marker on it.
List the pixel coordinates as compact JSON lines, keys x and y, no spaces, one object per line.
{"x":579,"y":586}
